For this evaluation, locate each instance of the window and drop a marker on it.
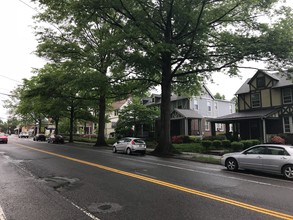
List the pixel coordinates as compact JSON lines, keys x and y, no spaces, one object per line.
{"x":255,"y":100}
{"x":209,"y":106}
{"x":276,"y":151}
{"x":113,"y":124}
{"x":219,"y":127}
{"x":230,"y":109}
{"x":287,"y":95}
{"x":195,"y":103}
{"x":216,"y":105}
{"x":260,"y":82}
{"x":288,"y":124}
{"x":256,"y":150}
{"x":207,"y":126}
{"x":116,"y":112}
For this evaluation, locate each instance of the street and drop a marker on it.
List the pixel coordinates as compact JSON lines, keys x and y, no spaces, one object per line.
{"x":50,"y":181}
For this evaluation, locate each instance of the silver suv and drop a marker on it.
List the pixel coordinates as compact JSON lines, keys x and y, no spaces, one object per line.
{"x":130,"y":145}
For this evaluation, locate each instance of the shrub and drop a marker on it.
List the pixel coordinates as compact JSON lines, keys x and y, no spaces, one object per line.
{"x":194,"y":139}
{"x":247,"y":143}
{"x":237,"y":146}
{"x":226,"y":143}
{"x":177,"y":139}
{"x":255,"y":142}
{"x":277,"y":140}
{"x":206,"y":144}
{"x":217,"y":143}
{"x":212,"y":138}
{"x":187,"y":139}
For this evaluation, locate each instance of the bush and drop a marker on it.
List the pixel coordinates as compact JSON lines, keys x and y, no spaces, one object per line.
{"x":247,"y":143}
{"x":190,"y":147}
{"x":194,"y":139}
{"x":187,"y":139}
{"x":255,"y":142}
{"x":277,"y":140}
{"x":177,"y":139}
{"x":237,"y":146}
{"x":212,"y":138}
{"x":206,"y":144}
{"x":217,"y":143}
{"x":226,"y":143}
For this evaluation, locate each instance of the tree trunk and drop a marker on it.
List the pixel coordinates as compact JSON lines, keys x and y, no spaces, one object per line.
{"x":71,"y":124}
{"x":165,"y":147}
{"x":56,"y":126}
{"x":40,"y":125}
{"x":101,"y":126}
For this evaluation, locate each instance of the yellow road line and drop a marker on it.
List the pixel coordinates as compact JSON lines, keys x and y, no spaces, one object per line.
{"x":173,"y":186}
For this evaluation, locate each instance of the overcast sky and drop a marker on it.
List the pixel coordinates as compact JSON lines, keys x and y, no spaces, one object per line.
{"x":17,"y":43}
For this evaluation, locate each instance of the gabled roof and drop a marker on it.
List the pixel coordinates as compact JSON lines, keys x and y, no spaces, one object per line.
{"x":117,"y":105}
{"x":281,"y":80}
{"x":188,"y":113}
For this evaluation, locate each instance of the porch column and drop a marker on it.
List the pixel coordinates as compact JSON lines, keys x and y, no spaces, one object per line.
{"x":213,"y":128}
{"x":186,"y":127}
{"x":199,"y":127}
{"x":264,"y":130}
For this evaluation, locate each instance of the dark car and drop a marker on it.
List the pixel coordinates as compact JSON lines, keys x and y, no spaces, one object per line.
{"x":3,"y":138}
{"x":56,"y":139}
{"x":40,"y":137}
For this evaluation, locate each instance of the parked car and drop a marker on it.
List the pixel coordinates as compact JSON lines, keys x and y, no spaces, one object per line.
{"x":270,"y":158}
{"x":23,"y":135}
{"x":3,"y":138}
{"x":130,"y":145}
{"x":56,"y":139}
{"x":40,"y":137}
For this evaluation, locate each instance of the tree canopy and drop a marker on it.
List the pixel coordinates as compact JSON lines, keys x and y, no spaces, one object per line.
{"x":173,"y":44}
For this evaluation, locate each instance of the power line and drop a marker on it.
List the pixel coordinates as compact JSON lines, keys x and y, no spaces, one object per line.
{"x":28,"y":5}
{"x":10,"y":79}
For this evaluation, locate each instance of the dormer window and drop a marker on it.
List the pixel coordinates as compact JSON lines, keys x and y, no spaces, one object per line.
{"x":287,"y":95}
{"x":260,"y":82}
{"x":255,"y":100}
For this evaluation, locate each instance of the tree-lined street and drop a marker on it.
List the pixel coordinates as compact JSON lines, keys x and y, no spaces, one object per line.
{"x":73,"y":181}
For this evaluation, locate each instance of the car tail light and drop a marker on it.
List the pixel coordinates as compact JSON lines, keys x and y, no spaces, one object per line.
{"x":132,"y":142}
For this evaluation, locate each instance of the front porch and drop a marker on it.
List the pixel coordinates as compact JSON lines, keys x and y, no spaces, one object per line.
{"x":257,"y":124}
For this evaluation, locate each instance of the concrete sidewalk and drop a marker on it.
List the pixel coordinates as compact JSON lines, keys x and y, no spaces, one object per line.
{"x":206,"y":158}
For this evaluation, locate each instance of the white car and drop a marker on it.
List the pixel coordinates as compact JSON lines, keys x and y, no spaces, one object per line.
{"x":130,"y":145}
{"x":23,"y":135}
{"x":269,"y":158}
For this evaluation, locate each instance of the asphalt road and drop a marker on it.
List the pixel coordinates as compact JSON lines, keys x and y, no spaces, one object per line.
{"x":48,"y":181}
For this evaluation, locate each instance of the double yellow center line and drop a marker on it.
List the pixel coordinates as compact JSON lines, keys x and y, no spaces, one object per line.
{"x":172,"y":186}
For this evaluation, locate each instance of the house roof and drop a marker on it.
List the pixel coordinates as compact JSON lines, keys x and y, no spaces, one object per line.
{"x":117,"y":105}
{"x":282,"y":80}
{"x":256,"y":114}
{"x":188,"y":113}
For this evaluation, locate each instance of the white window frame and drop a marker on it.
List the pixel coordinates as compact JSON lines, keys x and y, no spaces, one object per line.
{"x":219,"y":127}
{"x":207,"y":126}
{"x":209,"y":106}
{"x":195,"y":104}
{"x":288,"y":127}
{"x":259,"y":101}
{"x":287,"y":96}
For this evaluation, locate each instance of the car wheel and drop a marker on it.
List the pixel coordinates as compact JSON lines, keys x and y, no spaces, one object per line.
{"x":231,"y":164}
{"x":114,"y":150}
{"x":288,"y":172}
{"x":128,"y":151}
